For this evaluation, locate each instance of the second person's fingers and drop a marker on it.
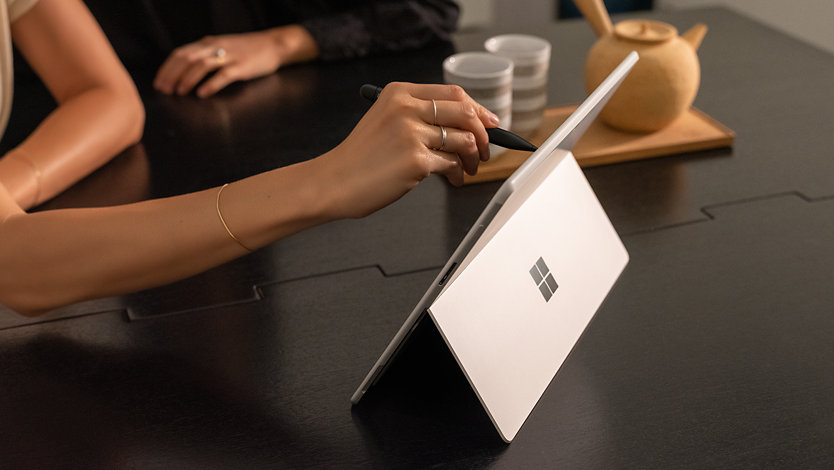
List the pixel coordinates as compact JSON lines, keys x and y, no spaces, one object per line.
{"x":173,"y":66}
{"x":221,"y":79}
{"x":196,"y":72}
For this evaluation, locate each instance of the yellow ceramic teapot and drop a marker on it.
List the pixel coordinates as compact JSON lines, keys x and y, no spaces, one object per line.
{"x":664,"y":81}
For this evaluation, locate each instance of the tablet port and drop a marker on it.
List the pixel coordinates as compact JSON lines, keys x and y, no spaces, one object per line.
{"x":448,"y":273}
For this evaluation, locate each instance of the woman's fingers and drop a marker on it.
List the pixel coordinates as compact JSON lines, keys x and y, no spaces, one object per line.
{"x":219,"y":80}
{"x":462,"y":115}
{"x":452,"y":93}
{"x":455,"y":124}
{"x":176,"y":64}
{"x":437,"y":91}
{"x":458,"y":143}
{"x":196,"y":72}
{"x":398,"y":143}
{"x":189,"y":64}
{"x":450,"y":106}
{"x":448,"y":165}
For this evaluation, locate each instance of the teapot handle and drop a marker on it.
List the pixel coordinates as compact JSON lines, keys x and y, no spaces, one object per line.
{"x":594,"y":11}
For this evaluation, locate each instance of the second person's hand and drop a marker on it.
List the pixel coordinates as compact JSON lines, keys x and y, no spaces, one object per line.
{"x":233,"y":57}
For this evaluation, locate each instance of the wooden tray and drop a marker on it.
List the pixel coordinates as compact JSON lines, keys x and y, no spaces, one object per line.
{"x":602,"y":144}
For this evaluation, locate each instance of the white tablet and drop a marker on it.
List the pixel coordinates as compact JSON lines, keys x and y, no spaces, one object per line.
{"x":521,"y":287}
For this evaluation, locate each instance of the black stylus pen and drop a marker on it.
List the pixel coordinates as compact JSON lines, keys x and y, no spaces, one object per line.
{"x":497,"y":136}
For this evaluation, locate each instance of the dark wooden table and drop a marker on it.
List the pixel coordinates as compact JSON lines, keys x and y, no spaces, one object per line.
{"x":715,"y":349}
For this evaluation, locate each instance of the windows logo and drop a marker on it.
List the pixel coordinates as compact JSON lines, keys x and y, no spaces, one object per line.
{"x":544,"y":279}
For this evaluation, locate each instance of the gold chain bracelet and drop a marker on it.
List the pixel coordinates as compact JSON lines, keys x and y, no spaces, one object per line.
{"x":222,"y":221}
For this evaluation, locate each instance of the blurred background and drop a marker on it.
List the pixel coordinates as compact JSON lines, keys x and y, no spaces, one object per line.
{"x":808,"y":20}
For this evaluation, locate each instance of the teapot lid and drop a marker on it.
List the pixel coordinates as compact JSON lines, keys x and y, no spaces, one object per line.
{"x":645,"y":31}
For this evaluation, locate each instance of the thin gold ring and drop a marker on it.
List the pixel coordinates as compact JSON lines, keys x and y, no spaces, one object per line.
{"x":434,"y":105}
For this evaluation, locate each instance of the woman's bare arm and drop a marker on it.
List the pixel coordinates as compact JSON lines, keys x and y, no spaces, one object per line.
{"x":99,"y":112}
{"x":56,"y":257}
{"x":52,"y":258}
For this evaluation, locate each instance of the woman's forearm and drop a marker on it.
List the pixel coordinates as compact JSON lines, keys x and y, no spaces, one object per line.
{"x":108,"y":251}
{"x":79,"y":136}
{"x":99,"y":112}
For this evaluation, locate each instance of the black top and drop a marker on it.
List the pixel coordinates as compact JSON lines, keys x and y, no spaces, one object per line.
{"x":145,"y":32}
{"x":355,"y":28}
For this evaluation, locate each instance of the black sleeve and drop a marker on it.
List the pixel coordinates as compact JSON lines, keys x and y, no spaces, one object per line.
{"x":383,"y":26}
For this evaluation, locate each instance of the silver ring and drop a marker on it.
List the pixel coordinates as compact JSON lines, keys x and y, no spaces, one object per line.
{"x":442,"y":138}
{"x":220,"y":55}
{"x":434,"y":105}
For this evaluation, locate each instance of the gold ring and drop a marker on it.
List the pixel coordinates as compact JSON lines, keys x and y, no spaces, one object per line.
{"x":220,"y":55}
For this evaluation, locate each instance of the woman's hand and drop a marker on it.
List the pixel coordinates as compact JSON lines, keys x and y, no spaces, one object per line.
{"x":399,"y":142}
{"x":233,"y":57}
